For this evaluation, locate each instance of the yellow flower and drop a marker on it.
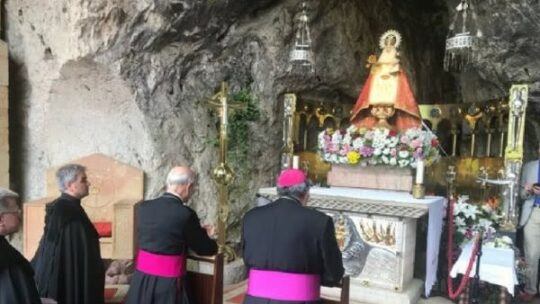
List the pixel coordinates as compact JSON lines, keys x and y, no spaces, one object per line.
{"x":353,"y":157}
{"x":362,"y":130}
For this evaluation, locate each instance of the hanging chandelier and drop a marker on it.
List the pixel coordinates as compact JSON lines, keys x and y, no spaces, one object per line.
{"x":463,"y":37}
{"x":301,"y":55}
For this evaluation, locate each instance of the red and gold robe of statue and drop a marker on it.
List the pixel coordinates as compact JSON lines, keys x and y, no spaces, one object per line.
{"x":406,"y":115}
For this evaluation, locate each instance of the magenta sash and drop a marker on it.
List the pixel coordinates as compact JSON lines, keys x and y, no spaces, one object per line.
{"x":169,"y":266}
{"x":283,"y":286}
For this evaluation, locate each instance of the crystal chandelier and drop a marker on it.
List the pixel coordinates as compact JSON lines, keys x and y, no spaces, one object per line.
{"x":462,"y":41}
{"x":301,"y":55}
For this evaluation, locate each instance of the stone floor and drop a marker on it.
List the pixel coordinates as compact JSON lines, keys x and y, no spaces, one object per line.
{"x":234,"y":294}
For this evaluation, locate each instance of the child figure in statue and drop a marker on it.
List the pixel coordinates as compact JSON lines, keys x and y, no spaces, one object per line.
{"x":386,"y":100}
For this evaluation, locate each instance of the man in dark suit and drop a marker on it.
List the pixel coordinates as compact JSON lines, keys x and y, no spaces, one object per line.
{"x":166,"y":228}
{"x":530,"y":221}
{"x":290,"y":250}
{"x":68,"y":261}
{"x":16,"y":275}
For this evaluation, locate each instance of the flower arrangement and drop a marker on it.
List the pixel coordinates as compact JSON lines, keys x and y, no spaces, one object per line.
{"x":470,"y":218}
{"x":378,"y":146}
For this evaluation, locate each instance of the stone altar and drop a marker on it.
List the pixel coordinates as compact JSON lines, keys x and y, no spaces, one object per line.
{"x":372,"y":177}
{"x":376,"y":231}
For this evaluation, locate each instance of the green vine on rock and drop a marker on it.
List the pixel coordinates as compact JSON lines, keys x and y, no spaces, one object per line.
{"x":239,"y":127}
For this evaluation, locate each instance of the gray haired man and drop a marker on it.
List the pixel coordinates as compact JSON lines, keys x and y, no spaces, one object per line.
{"x":16,"y":275}
{"x":166,"y":229}
{"x":68,"y":262}
{"x":290,"y":250}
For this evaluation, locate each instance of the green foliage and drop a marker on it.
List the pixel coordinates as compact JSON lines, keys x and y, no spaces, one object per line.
{"x":239,"y":127}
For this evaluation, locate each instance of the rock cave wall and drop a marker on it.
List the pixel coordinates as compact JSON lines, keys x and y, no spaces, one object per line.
{"x":130,"y":78}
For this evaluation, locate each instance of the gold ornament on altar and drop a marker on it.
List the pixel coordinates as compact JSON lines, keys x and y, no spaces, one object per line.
{"x":378,"y":233}
{"x":341,"y":232}
{"x":386,"y":100}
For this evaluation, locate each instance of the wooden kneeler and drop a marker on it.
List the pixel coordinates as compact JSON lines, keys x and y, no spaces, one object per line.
{"x":344,"y":297}
{"x":200,"y":282}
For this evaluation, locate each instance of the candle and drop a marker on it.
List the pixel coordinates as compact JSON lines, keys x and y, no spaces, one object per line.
{"x":295,"y":161}
{"x":419,"y":171}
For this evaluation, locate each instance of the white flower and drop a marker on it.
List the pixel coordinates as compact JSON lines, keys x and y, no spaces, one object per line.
{"x":460,"y":208}
{"x":343,"y":160}
{"x":377,"y":151}
{"x":352,"y":129}
{"x":336,"y":138}
{"x":485,"y":224}
{"x":507,"y":240}
{"x":403,"y":163}
{"x":486,"y":208}
{"x":463,"y":199}
{"x":386,"y":151}
{"x":393,"y":161}
{"x":462,"y":229}
{"x":495,"y":217}
{"x":403,"y":153}
{"x":392,"y":141}
{"x":358,"y":143}
{"x":470,"y":212}
{"x":333,"y":158}
{"x":347,"y":139}
{"x":460,"y":222}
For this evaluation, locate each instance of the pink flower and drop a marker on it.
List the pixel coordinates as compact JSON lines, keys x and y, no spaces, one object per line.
{"x":418,"y":153}
{"x":416,"y":143}
{"x":344,"y":150}
{"x":330,"y":147}
{"x":393,"y":151}
{"x":404,"y":139}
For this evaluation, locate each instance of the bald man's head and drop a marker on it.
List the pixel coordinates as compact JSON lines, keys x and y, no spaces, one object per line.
{"x":181,"y":181}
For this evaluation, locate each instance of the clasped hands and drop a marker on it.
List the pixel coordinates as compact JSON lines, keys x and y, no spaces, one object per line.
{"x":211,"y":230}
{"x":533,"y":189}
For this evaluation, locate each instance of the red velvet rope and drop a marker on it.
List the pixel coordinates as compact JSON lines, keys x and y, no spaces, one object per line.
{"x":453,"y":294}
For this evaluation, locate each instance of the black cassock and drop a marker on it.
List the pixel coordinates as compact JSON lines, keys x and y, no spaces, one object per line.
{"x":287,"y":237}
{"x":68,"y":262}
{"x":16,"y":277}
{"x":165,"y":226}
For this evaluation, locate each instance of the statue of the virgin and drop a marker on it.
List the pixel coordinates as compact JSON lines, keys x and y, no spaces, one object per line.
{"x":386,"y":100}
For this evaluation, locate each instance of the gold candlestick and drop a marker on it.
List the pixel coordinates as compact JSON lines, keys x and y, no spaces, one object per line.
{"x":418,"y":191}
{"x":223,"y":174}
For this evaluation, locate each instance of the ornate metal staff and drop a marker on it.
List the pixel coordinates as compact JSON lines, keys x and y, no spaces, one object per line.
{"x":223,"y":174}
{"x":512,"y":157}
{"x":287,"y":151}
{"x":513,"y":154}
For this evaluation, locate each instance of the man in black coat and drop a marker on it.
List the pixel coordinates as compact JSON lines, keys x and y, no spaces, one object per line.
{"x":166,"y":228}
{"x":68,"y":261}
{"x":290,"y":250}
{"x":16,"y":275}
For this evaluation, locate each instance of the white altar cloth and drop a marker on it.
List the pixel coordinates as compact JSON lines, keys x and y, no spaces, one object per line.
{"x":496,"y":266}
{"x":433,"y":204}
